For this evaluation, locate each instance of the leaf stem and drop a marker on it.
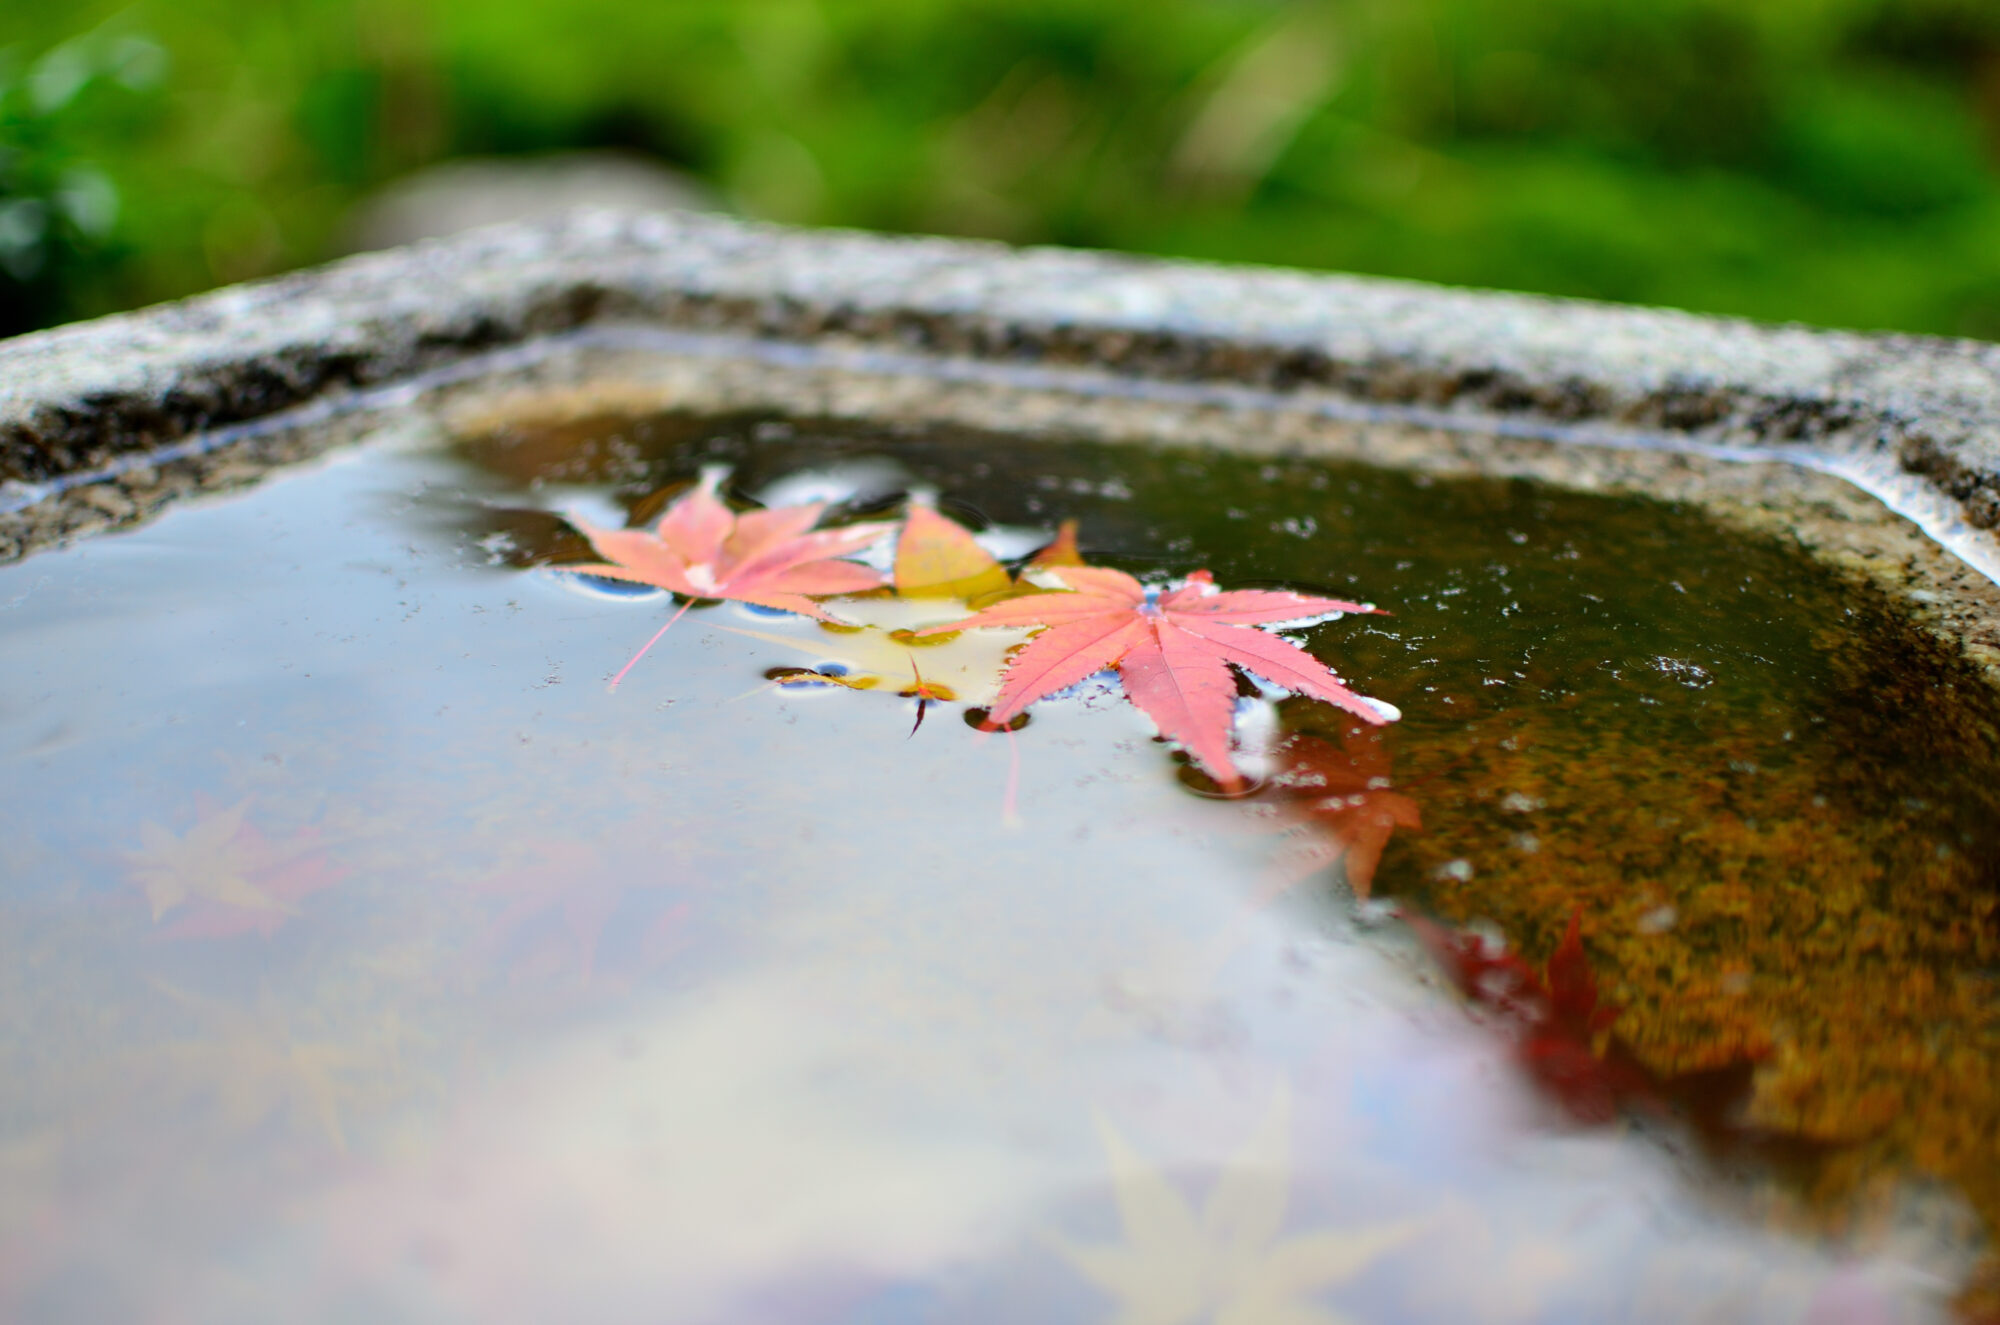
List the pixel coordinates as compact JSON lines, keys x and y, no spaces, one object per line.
{"x":651,"y":642}
{"x":923,"y":697}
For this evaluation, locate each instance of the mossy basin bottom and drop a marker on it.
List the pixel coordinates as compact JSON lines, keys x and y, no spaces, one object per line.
{"x":364,"y":957}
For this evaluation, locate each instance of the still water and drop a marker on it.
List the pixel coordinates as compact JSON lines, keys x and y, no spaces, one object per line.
{"x":365,"y":957}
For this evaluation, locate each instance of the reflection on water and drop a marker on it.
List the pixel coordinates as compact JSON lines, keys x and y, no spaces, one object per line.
{"x":364,"y":958}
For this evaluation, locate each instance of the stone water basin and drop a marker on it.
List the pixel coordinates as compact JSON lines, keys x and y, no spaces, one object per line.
{"x":366,"y":957}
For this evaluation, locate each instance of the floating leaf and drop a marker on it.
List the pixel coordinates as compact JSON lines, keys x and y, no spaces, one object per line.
{"x":1172,"y":648}
{"x":702,"y":549}
{"x":1061,"y":552}
{"x":937,"y":557}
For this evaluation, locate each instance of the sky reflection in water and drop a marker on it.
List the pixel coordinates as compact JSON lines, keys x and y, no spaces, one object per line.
{"x":364,"y":959}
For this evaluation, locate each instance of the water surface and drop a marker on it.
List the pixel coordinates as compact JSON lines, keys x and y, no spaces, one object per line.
{"x":365,"y":958}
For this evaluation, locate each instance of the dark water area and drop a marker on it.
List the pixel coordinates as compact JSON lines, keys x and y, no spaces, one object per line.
{"x":363,"y":956}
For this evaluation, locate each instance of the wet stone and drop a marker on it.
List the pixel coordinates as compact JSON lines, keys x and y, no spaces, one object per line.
{"x":108,"y":500}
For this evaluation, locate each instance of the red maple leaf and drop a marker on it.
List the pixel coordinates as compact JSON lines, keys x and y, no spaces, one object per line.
{"x":703,"y":550}
{"x":1556,"y":1017}
{"x":1572,"y":987}
{"x":1560,"y":1029}
{"x":1345,"y":790}
{"x":1172,"y":648}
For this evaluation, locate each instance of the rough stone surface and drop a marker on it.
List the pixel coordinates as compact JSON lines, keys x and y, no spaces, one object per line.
{"x":75,"y":396}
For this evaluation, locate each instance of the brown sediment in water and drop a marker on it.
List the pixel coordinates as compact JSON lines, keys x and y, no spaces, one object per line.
{"x":1822,"y":902}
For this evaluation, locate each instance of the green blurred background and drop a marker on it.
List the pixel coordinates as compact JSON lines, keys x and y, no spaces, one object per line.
{"x":1827,"y":161}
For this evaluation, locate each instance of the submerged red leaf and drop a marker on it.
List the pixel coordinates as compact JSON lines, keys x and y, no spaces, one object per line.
{"x":1487,"y":972}
{"x":1555,"y":1017}
{"x":1572,"y":988}
{"x":1346,"y":791}
{"x":1561,"y":1030}
{"x":1172,"y":649}
{"x":224,"y":877}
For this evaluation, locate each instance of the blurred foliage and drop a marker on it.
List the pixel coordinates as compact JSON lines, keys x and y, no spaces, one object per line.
{"x":58,"y":208}
{"x":1830,"y":161}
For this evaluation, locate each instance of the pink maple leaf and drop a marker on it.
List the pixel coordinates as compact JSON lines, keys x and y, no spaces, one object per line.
{"x":1172,"y":649}
{"x":702,"y":549}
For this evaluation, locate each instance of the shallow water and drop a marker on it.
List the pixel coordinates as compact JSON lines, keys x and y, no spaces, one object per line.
{"x":366,"y":958}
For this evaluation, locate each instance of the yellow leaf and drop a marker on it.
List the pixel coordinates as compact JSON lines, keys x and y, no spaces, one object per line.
{"x":1063,"y":551}
{"x":936,"y":557}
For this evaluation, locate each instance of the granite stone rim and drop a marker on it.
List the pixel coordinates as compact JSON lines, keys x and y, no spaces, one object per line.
{"x":77,"y":398}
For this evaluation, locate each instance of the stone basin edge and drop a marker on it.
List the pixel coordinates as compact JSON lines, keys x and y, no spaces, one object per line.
{"x":1909,"y":416}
